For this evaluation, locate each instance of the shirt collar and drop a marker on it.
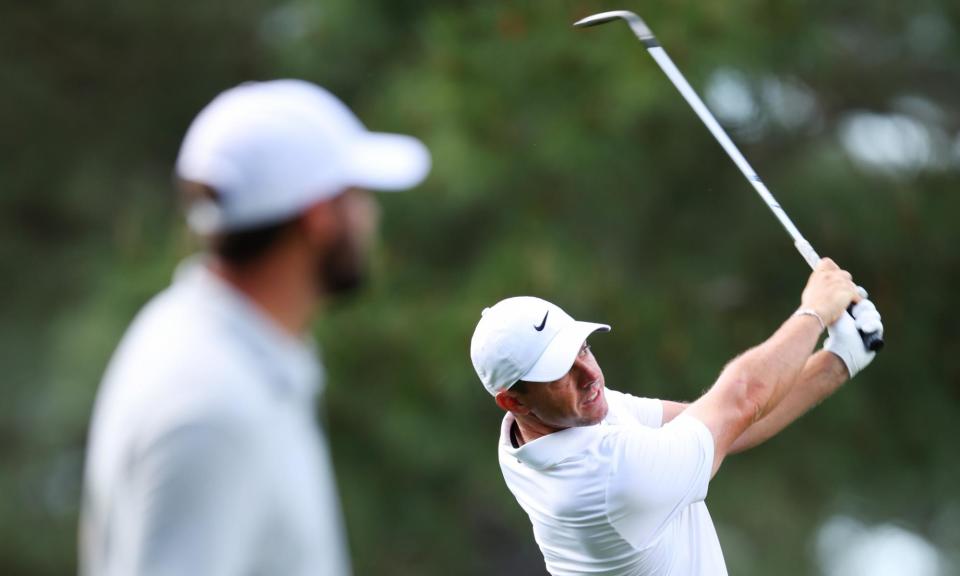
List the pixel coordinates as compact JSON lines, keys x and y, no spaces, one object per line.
{"x":293,"y":361}
{"x":549,"y":450}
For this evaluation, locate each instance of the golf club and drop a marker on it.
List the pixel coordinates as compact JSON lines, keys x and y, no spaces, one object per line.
{"x":872,"y":340}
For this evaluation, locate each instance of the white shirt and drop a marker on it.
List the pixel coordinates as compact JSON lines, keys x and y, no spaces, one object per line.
{"x":204,"y":456}
{"x":623,"y":497}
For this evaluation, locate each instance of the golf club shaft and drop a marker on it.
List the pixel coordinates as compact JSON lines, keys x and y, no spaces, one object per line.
{"x":872,"y":340}
{"x":676,"y":77}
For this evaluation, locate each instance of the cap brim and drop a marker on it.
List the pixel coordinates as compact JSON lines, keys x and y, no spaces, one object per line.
{"x":387,"y":162}
{"x":559,"y":356}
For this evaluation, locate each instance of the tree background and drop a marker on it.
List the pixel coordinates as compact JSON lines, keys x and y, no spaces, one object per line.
{"x":565,"y":166}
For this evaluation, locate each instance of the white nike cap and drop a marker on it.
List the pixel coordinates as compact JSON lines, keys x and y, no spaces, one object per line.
{"x":272,"y":149}
{"x":526,"y":338}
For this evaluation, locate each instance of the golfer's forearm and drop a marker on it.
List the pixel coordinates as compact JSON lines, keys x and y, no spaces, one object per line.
{"x":754,"y":382}
{"x":776,"y":364}
{"x":820,"y":377}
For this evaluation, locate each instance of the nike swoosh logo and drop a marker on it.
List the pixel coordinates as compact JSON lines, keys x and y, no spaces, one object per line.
{"x":542,"y":324}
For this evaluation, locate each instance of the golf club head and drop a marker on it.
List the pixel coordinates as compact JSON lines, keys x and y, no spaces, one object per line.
{"x":636,"y":24}
{"x":603,"y":18}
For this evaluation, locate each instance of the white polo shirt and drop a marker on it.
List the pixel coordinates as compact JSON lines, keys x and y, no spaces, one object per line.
{"x":623,"y":497}
{"x":204,"y":456}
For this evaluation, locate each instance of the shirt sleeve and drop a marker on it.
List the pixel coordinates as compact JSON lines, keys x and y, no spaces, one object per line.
{"x":195,"y":504}
{"x":656,"y":475}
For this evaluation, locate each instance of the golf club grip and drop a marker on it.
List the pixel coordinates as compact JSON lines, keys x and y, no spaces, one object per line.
{"x":872,"y":341}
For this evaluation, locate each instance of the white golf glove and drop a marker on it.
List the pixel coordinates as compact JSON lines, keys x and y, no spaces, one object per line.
{"x":844,"y":340}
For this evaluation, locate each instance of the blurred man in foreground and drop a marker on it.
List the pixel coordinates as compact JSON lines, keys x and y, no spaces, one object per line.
{"x":615,"y":484}
{"x":204,"y":455}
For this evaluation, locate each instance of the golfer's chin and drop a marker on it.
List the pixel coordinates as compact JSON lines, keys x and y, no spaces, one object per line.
{"x":344,"y":285}
{"x":595,"y":411}
{"x":342,"y":276}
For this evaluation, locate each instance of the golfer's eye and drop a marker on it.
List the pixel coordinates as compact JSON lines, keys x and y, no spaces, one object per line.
{"x":585,"y":349}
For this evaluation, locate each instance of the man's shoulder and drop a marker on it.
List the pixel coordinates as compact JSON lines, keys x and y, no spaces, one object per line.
{"x":616,"y":398}
{"x":627,"y":408}
{"x":176,"y":364}
{"x":624,"y":400}
{"x":174,"y":333}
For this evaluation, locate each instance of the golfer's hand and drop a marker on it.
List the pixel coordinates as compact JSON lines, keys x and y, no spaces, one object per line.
{"x":845,"y":341}
{"x":829,"y":291}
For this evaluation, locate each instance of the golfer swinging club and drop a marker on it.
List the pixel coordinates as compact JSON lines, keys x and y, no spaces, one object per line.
{"x":615,"y":484}
{"x":204,"y":456}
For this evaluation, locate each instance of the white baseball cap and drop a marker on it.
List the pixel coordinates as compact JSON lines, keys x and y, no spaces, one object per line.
{"x":272,"y":149}
{"x":526,"y":338}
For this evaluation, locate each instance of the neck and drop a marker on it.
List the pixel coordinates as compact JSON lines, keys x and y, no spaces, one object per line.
{"x":530,"y":428}
{"x":282,"y":289}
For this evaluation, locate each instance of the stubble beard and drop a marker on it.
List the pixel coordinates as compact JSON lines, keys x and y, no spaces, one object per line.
{"x":342,"y":270}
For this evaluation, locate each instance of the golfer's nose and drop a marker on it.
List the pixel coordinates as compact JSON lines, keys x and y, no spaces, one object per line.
{"x":589,"y":371}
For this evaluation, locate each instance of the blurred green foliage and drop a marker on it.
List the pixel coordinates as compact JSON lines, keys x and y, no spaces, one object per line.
{"x":566,"y":166}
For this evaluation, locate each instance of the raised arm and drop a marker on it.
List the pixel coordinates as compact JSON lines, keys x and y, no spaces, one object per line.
{"x":753,"y":384}
{"x":843,"y":356}
{"x":821,"y":376}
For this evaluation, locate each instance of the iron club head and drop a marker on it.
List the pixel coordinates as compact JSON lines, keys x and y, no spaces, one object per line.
{"x":604,"y":17}
{"x":638,"y":26}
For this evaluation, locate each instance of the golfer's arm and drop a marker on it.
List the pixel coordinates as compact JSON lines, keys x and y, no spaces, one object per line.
{"x":754,"y":383}
{"x":673,"y":409}
{"x":822,"y":374}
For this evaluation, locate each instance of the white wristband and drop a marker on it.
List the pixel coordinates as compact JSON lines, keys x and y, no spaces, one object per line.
{"x":811,"y":312}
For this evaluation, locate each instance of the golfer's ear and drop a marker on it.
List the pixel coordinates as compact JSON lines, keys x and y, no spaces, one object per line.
{"x":510,"y":402}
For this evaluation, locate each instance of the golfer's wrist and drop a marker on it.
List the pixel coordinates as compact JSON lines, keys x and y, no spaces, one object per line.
{"x":808,"y":312}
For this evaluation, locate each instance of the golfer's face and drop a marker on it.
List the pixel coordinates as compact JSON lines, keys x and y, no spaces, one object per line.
{"x":344,"y":261}
{"x":577,"y":399}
